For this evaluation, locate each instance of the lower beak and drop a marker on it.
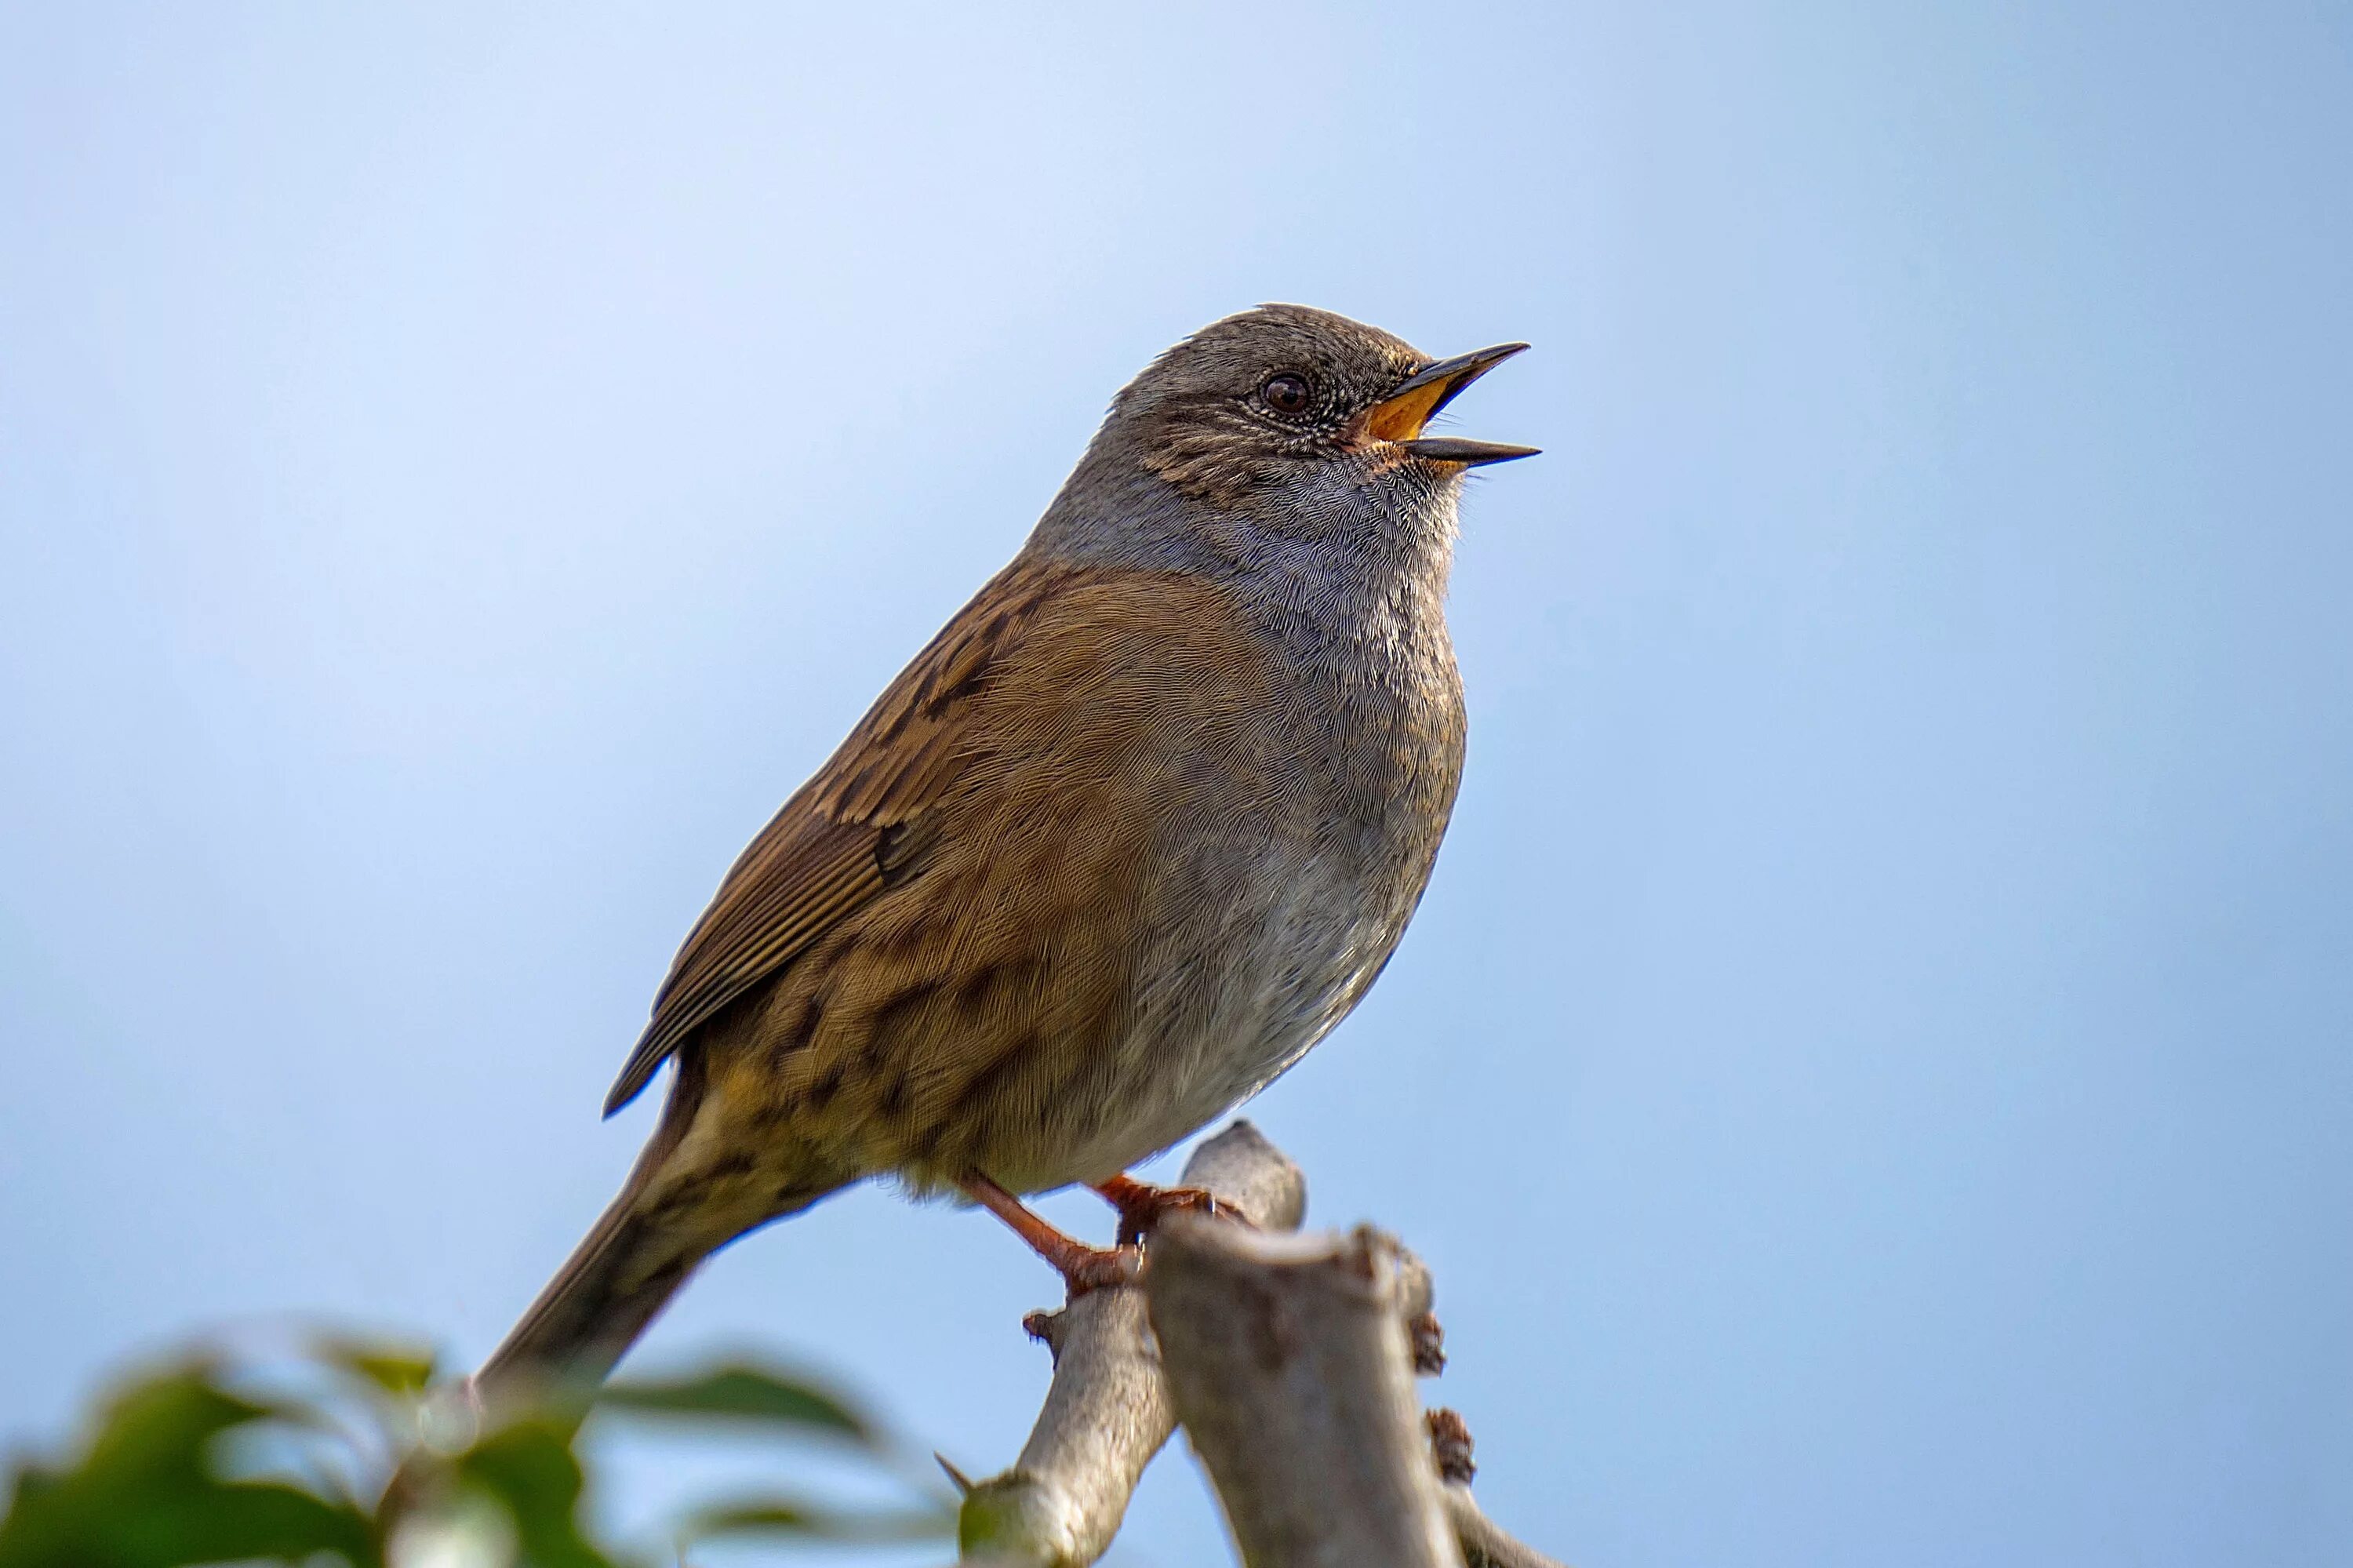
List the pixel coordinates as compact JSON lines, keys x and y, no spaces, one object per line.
{"x":1400,"y":416}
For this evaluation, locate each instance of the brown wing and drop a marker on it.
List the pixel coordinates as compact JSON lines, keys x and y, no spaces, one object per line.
{"x":848,"y":833}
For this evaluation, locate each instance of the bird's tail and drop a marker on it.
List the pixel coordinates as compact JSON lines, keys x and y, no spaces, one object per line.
{"x":613,"y":1284}
{"x":621,"y":1276}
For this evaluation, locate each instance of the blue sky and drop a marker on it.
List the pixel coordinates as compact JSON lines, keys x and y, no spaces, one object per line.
{"x":1872,"y":1071}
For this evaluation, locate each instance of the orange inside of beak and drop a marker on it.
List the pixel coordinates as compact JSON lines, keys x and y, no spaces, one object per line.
{"x":1401,"y":417}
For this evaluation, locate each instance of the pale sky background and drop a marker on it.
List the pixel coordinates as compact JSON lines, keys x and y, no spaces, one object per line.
{"x":1871,"y":1073}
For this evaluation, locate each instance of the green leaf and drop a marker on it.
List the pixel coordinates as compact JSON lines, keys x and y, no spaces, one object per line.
{"x":233,"y":1522}
{"x":797,"y":1517}
{"x":529,"y":1467}
{"x":395,"y":1368}
{"x":749,"y":1518}
{"x":163,"y":1422}
{"x":743,"y":1393}
{"x":147,"y":1494}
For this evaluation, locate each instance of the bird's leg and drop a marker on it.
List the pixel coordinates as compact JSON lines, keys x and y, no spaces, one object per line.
{"x":1082,"y":1268}
{"x":1142,"y":1206}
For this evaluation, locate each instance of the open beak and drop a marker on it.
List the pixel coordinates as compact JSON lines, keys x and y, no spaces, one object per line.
{"x":1400,"y":416}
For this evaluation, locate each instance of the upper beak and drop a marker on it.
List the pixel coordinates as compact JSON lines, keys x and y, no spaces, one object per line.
{"x":1400,"y":416}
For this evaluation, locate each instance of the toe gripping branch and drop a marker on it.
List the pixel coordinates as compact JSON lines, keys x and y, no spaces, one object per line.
{"x":1142,"y":1206}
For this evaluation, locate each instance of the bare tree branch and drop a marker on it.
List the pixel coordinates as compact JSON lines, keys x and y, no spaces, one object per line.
{"x":1484,"y":1543}
{"x":1289,"y":1362}
{"x":1107,"y":1411}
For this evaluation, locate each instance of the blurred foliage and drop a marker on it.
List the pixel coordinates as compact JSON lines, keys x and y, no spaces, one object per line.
{"x":344,"y":1451}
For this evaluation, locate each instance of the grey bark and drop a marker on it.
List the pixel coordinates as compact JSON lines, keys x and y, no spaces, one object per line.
{"x":1280,"y":1433}
{"x":1290,"y":1364}
{"x":1485,"y":1543}
{"x":1107,"y":1411}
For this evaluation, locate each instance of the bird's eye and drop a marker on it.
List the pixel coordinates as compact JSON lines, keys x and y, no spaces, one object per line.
{"x":1285,"y":394}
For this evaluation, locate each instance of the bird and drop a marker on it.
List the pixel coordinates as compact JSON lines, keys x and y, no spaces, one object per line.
{"x":1137,"y":827}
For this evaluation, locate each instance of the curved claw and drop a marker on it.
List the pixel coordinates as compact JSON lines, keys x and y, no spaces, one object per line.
{"x":1089,"y":1268}
{"x":1142,"y":1206}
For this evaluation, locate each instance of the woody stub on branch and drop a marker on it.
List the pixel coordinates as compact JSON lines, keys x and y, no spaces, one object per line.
{"x":1289,"y":1361}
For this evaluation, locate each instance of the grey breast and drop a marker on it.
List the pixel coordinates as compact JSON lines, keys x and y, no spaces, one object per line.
{"x":1302,"y":907}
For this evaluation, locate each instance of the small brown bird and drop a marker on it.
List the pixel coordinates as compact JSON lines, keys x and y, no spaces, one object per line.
{"x":1137,"y":830}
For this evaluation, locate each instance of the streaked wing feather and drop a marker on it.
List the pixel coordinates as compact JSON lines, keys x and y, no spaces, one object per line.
{"x":823,"y":854}
{"x":739,"y":942}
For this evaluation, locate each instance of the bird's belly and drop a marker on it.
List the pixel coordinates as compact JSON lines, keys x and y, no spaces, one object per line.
{"x":1269,"y":911}
{"x":1218,"y":1017}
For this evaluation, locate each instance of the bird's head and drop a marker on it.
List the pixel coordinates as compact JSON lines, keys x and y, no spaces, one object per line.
{"x":1260,"y":399}
{"x":1296,"y":420}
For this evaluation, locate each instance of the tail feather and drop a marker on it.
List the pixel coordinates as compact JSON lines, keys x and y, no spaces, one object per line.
{"x":624,"y":1272}
{"x":608,"y":1292}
